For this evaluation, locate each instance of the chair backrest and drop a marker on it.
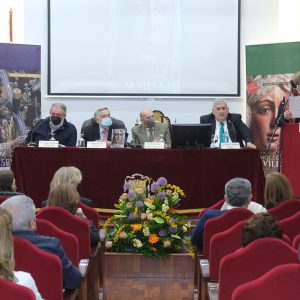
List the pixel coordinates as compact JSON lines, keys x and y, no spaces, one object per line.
{"x":160,"y":117}
{"x":291,"y":225}
{"x":44,"y":267}
{"x":11,"y":290}
{"x":70,"y":223}
{"x":221,"y":223}
{"x":252,"y":261}
{"x":281,"y":282}
{"x":221,"y":244}
{"x":68,"y":240}
{"x":3,"y":198}
{"x":285,"y":209}
{"x":90,"y":213}
{"x":296,"y":241}
{"x":217,"y":205}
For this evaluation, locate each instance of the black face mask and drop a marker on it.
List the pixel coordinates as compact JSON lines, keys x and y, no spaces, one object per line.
{"x":55,"y":120}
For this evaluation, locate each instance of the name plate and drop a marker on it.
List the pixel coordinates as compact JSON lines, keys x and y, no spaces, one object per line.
{"x":230,"y":146}
{"x":96,"y":144}
{"x":154,"y":145}
{"x":48,"y":144}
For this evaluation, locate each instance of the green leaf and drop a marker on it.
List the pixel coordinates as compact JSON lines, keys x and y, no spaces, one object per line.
{"x":175,"y":236}
{"x":149,"y":205}
{"x":159,"y":220}
{"x":120,"y":216}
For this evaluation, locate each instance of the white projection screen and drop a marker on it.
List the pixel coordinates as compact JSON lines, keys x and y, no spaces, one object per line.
{"x":144,"y":47}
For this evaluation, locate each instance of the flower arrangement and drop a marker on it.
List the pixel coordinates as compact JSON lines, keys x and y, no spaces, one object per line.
{"x":147,"y":221}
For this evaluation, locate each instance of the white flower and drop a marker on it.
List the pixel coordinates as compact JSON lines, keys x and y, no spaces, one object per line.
{"x":184,"y":229}
{"x":143,"y":216}
{"x":150,"y":216}
{"x":108,"y":244}
{"x":164,"y":208}
{"x":129,"y":204}
{"x":137,"y":243}
{"x":146,"y":231}
{"x":175,"y":196}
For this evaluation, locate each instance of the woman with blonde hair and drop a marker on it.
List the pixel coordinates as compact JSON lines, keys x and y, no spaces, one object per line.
{"x":277,"y":189}
{"x":7,"y":261}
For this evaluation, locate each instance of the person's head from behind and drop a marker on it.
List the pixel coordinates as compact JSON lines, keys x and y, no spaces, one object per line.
{"x":7,"y":181}
{"x":71,"y":175}
{"x":220,"y":110}
{"x":277,"y":189}
{"x":102,"y":117}
{"x":64,"y":195}
{"x":238,"y":192}
{"x":147,"y":117}
{"x":264,"y":95}
{"x":6,"y":246}
{"x":260,"y":226}
{"x":22,"y":210}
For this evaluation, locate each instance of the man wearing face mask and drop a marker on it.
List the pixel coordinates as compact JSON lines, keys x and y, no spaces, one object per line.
{"x":100,"y":127}
{"x":54,"y":127}
{"x":149,"y":130}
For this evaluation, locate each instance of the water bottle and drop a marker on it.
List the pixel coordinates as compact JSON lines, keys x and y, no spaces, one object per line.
{"x":226,"y":137}
{"x":214,"y":141}
{"x":81,"y":142}
{"x":161,"y":138}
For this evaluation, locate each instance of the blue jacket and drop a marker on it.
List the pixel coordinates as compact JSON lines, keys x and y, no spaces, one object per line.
{"x":197,"y":234}
{"x":71,"y":274}
{"x":65,"y":135}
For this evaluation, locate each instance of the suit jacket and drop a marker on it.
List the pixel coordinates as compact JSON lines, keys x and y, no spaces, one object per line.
{"x":139,"y":134}
{"x":237,"y":129}
{"x":71,"y":274}
{"x":91,"y":131}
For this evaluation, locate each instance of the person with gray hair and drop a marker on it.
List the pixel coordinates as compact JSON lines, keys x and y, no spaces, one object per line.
{"x":101,"y":127}
{"x":238,"y":193}
{"x":22,"y":210}
{"x":54,"y":127}
{"x":227,"y":124}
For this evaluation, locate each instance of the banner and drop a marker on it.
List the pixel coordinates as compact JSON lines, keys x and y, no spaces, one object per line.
{"x":20,"y":95}
{"x":269,"y":69}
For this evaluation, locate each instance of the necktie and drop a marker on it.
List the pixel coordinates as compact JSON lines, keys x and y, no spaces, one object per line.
{"x":104,"y":135}
{"x":221,"y":134}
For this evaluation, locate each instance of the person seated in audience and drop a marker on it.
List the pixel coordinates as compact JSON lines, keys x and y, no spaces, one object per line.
{"x":277,"y":189}
{"x":7,"y":260}
{"x":232,"y":123}
{"x":100,"y":127}
{"x":70,"y":175}
{"x":22,"y":210}
{"x":8,"y":186}
{"x":149,"y":130}
{"x":260,"y":226}
{"x":238,"y":193}
{"x":55,"y":126}
{"x":66,"y":196}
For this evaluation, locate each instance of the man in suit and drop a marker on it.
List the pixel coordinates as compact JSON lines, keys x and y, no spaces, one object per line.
{"x":22,"y":210}
{"x":232,"y":124}
{"x":149,"y":130}
{"x":100,"y":127}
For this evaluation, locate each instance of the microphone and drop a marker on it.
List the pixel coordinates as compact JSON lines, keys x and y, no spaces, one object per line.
{"x":31,"y":142}
{"x":281,"y":110}
{"x":235,"y":138}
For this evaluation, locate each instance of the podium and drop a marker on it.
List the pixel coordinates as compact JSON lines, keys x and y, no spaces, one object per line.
{"x":290,"y":154}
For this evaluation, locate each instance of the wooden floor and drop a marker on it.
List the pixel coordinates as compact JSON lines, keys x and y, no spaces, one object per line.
{"x":148,"y":289}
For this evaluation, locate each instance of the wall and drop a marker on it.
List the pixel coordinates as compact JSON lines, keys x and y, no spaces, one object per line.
{"x":261,"y":22}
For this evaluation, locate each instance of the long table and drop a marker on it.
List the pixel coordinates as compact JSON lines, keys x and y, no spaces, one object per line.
{"x":200,"y":173}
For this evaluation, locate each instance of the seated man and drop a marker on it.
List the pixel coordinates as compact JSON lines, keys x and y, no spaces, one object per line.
{"x":149,"y":130}
{"x":56,"y":126}
{"x":224,"y":122}
{"x":22,"y":210}
{"x":238,"y":193}
{"x":100,"y":127}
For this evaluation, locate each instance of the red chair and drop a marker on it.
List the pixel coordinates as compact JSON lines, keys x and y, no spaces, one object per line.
{"x":291,"y":225}
{"x":285,"y":209}
{"x":3,"y":198}
{"x":249,"y":263}
{"x":44,"y":267}
{"x":217,"y":205}
{"x":296,"y":241}
{"x":68,"y":240}
{"x":90,"y":213}
{"x":281,"y":282}
{"x":70,"y":223}
{"x":11,"y":290}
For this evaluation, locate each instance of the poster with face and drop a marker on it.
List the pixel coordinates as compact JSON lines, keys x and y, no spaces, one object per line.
{"x":118,"y":138}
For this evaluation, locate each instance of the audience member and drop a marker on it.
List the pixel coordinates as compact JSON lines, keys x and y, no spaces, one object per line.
{"x":149,"y":130}
{"x":224,"y":123}
{"x":260,"y":226}
{"x":237,"y":194}
{"x":277,"y":189}
{"x":100,"y":127}
{"x":24,"y":225}
{"x":7,"y":260}
{"x":8,"y":186}
{"x":55,"y":126}
{"x":66,"y":196}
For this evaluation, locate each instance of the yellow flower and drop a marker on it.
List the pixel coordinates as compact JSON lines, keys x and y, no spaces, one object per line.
{"x":136,"y":227}
{"x":107,"y":222}
{"x":153,"y":238}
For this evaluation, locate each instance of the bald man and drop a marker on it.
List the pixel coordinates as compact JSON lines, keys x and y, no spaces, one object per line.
{"x":149,"y":130}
